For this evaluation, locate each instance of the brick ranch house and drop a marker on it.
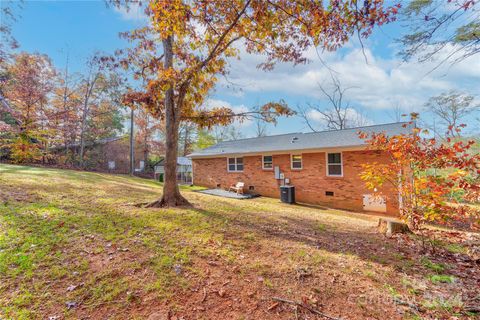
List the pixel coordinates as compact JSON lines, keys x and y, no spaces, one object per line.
{"x":323,"y":166}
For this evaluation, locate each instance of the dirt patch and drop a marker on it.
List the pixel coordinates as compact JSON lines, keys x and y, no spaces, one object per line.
{"x":9,"y":193}
{"x":86,"y":251}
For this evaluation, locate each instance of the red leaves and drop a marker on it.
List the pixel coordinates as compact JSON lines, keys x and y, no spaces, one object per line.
{"x":362,"y":135}
{"x":133,"y":98}
{"x":437,"y":180}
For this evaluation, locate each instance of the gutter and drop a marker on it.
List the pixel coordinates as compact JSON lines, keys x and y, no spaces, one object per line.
{"x":278,"y":152}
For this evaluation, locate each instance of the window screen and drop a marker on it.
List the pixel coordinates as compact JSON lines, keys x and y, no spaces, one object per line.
{"x":235,"y":164}
{"x":297,"y":161}
{"x":267,"y":162}
{"x":334,"y":165}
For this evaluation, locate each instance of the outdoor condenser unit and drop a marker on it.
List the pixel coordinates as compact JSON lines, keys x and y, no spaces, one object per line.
{"x":287,"y":194}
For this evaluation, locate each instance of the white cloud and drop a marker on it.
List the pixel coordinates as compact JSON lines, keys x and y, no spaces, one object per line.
{"x":134,"y":12}
{"x":353,"y":118}
{"x":381,"y":84}
{"x":217,"y":103}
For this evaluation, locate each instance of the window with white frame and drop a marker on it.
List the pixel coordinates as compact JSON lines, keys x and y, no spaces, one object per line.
{"x":296,"y":161}
{"x":267,"y":162}
{"x":235,"y":164}
{"x":334,"y":164}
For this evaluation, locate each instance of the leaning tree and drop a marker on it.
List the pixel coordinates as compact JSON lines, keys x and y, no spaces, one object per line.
{"x":185,"y":48}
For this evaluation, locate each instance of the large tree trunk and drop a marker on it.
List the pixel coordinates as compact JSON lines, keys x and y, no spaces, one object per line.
{"x":171,"y":194}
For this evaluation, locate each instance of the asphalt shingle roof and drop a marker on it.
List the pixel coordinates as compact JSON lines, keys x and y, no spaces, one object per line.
{"x":301,"y":141}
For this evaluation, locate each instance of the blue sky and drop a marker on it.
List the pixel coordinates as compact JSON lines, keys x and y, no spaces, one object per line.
{"x":379,"y":86}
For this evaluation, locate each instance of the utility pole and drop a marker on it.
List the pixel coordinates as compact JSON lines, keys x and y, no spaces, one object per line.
{"x":132,"y":142}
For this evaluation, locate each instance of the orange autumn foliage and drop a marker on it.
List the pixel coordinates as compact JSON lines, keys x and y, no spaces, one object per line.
{"x":426,"y":173}
{"x":206,"y":34}
{"x":184,"y":50}
{"x":27,"y":86}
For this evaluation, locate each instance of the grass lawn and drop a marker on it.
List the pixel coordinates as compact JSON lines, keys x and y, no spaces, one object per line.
{"x":79,"y":245}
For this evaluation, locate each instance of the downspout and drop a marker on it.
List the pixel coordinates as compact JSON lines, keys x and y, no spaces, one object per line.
{"x":193,"y":175}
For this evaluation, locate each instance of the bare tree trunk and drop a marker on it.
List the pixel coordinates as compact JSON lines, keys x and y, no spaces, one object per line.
{"x":65,"y":111}
{"x":132,"y":144}
{"x":337,"y":117}
{"x":88,"y":93}
{"x":82,"y":131}
{"x":146,"y":148}
{"x":171,"y":194}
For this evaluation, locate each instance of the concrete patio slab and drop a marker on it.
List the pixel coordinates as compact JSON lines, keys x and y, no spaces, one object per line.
{"x":228,"y":194}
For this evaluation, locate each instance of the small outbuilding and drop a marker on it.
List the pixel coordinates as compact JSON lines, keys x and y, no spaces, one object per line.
{"x":184,"y":170}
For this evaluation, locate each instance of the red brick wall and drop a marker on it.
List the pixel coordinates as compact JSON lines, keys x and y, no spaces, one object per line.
{"x":310,"y":183}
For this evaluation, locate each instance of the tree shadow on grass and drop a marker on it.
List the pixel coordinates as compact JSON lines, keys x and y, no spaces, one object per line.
{"x":361,"y":241}
{"x":311,"y":232}
{"x":334,"y":232}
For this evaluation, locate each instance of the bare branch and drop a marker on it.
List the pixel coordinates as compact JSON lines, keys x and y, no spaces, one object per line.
{"x":339,"y":116}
